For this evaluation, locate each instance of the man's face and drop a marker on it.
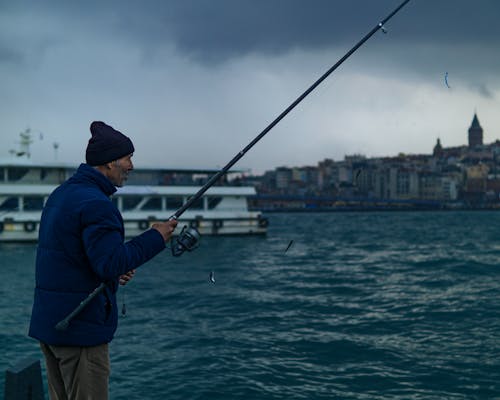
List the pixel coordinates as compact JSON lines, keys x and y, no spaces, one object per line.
{"x":119,"y":170}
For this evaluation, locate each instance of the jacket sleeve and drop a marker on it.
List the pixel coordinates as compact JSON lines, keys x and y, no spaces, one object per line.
{"x":103,"y":240}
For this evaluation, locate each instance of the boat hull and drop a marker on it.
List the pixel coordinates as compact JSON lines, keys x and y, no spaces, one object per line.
{"x":27,"y":230}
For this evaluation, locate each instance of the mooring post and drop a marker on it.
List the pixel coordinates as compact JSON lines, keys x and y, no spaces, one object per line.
{"x":24,"y":381}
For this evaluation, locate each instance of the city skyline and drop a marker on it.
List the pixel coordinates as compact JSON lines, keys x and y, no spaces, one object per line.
{"x":474,"y":119}
{"x":458,"y":177}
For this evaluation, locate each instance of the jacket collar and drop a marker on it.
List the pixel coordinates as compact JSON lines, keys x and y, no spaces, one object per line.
{"x":86,"y":173}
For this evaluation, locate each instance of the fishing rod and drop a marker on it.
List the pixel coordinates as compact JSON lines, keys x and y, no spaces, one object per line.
{"x":189,"y":237}
{"x":63,"y":324}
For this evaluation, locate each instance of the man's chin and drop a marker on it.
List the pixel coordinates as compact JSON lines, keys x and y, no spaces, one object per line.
{"x":122,"y":183}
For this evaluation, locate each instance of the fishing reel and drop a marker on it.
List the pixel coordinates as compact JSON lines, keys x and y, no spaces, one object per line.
{"x":188,"y":239}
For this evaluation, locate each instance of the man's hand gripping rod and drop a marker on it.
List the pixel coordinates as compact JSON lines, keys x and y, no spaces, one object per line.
{"x":189,"y":237}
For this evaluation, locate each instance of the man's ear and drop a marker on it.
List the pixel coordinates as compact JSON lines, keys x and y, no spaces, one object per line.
{"x":109,"y":165}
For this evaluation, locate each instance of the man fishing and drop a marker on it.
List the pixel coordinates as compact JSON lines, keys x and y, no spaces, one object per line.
{"x":81,"y":245}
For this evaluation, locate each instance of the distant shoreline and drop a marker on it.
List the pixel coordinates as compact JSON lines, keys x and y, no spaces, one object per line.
{"x":365,"y":209}
{"x":366,"y":206}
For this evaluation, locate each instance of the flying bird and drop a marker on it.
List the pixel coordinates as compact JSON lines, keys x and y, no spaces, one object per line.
{"x":446,"y":80}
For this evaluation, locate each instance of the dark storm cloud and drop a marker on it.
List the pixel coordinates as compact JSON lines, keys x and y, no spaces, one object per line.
{"x":219,"y":30}
{"x":485,"y":92}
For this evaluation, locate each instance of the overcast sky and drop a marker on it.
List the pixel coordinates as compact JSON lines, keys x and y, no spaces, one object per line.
{"x":193,"y":82}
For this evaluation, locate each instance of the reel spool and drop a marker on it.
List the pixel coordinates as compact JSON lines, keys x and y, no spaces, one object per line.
{"x":188,"y":240}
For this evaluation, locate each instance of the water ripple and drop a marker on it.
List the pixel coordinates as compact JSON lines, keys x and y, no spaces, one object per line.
{"x":362,"y":306}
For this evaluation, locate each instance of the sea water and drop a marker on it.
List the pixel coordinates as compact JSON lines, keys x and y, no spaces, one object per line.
{"x":389,"y":305}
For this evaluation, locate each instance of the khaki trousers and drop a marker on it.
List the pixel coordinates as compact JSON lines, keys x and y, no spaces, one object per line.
{"x":77,"y":373}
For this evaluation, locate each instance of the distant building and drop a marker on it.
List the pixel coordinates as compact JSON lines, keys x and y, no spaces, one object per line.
{"x":475,"y":133}
{"x":283,"y":178}
{"x":438,"y":149}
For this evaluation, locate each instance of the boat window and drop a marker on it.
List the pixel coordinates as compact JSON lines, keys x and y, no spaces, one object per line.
{"x":9,"y":204}
{"x":17,"y":173}
{"x":33,"y":203}
{"x":43,"y":173}
{"x":2,"y":174}
{"x":213,"y":202}
{"x":130,"y":202}
{"x":153,"y":203}
{"x":198,"y":204}
{"x":174,"y":202}
{"x":142,"y":178}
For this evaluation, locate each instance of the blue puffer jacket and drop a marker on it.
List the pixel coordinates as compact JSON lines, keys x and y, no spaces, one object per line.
{"x":81,"y":244}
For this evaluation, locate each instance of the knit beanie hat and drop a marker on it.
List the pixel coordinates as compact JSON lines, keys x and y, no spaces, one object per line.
{"x":106,"y":144}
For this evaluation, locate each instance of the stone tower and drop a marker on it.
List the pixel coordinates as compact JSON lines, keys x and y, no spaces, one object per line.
{"x":475,"y":133}
{"x":438,"y":149}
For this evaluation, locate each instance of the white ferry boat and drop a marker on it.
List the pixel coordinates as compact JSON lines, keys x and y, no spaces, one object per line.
{"x":150,"y":194}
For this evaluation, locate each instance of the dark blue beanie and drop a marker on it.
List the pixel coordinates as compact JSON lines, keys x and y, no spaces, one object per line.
{"x":106,"y":144}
